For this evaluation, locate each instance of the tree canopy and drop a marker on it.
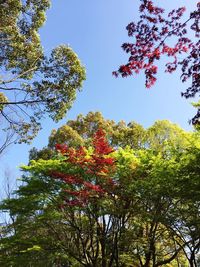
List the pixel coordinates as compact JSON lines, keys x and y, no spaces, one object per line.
{"x":101,"y":193}
{"x":94,"y":203}
{"x":33,"y":83}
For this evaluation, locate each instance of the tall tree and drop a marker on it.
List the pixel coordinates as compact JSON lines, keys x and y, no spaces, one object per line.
{"x":158,"y":34}
{"x":81,"y":130}
{"x":32,"y":84}
{"x":98,"y":205}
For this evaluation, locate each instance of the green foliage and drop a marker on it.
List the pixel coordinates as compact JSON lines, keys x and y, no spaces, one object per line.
{"x":83,"y":128}
{"x":33,"y":84}
{"x":3,"y":99}
{"x":149,"y":218}
{"x":20,"y":42}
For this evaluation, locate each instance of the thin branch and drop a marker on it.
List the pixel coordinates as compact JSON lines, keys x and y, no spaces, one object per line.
{"x":20,"y":75}
{"x":24,"y":102}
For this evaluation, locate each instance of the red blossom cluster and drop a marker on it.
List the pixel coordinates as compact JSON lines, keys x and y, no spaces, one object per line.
{"x":88,"y":177}
{"x":158,"y":34}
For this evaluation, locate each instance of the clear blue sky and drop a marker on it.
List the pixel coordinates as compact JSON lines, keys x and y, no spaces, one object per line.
{"x":96,"y":30}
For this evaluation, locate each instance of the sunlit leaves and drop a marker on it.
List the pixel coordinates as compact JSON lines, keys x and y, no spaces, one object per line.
{"x":160,"y":34}
{"x":33,"y":83}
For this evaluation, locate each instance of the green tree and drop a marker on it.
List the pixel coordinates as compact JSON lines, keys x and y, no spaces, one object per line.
{"x":89,"y":206}
{"x":31,"y":82}
{"x":81,"y":130}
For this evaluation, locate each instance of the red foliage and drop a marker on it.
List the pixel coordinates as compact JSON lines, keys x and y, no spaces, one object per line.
{"x":91,"y":179}
{"x":67,"y":178}
{"x":151,"y":34}
{"x":100,"y":143}
{"x":62,"y":148}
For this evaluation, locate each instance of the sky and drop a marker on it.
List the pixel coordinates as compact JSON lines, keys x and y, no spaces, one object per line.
{"x":96,"y":30}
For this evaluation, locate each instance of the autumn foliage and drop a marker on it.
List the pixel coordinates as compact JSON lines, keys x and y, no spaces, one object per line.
{"x":92,"y":206}
{"x":89,"y":176}
{"x":159,"y":34}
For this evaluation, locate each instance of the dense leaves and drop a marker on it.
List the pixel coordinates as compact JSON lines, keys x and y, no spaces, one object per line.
{"x":95,"y":205}
{"x":91,"y":180}
{"x":32,"y":84}
{"x":79,"y":132}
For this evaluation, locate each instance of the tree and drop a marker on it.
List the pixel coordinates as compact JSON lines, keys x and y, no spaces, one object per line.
{"x":32,"y":83}
{"x":187,"y":225}
{"x":159,"y":34}
{"x":100,"y":205}
{"x":81,"y":130}
{"x":85,"y":200}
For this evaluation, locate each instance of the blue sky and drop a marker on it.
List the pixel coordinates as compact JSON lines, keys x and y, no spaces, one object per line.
{"x":96,"y":31}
